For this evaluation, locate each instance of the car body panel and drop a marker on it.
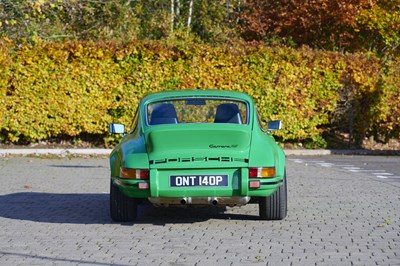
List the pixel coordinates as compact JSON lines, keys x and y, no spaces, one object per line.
{"x":197,"y":149}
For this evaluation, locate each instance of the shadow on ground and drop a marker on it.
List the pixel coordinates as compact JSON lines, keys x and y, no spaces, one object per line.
{"x":94,"y":209}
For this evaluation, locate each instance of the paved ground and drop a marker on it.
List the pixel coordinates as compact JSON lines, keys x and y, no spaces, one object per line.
{"x":341,"y":212}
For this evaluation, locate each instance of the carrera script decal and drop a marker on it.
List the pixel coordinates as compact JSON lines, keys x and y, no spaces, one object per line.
{"x":214,"y":146}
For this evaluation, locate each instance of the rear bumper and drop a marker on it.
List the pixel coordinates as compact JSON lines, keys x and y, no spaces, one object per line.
{"x":159,"y":187}
{"x":231,"y":201}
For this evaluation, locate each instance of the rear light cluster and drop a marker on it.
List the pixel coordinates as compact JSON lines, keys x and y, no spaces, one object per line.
{"x":260,"y":172}
{"x":136,"y":174}
{"x":131,"y":173}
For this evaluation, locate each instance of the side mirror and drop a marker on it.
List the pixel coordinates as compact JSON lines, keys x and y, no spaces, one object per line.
{"x":274,"y":125}
{"x":117,"y":128}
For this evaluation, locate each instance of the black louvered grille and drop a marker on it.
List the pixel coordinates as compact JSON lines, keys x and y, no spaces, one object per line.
{"x":199,"y":159}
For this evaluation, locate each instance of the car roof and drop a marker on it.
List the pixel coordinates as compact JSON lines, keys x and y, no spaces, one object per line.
{"x":196,"y":93}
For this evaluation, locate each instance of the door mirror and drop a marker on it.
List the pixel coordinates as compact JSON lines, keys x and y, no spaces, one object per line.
{"x":274,"y":125}
{"x":117,"y":128}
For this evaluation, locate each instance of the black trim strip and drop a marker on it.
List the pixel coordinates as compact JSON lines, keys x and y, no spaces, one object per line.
{"x":271,"y":183}
{"x":120,"y":182}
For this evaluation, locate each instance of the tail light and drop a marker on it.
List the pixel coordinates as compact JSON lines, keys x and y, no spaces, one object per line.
{"x":131,"y":173}
{"x":262,"y":172}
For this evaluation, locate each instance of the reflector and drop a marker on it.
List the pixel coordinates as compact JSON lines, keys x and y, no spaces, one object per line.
{"x":143,"y":185}
{"x":254,"y":184}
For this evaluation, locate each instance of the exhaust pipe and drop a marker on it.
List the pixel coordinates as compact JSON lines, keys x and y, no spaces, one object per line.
{"x":214,"y":202}
{"x":187,"y":200}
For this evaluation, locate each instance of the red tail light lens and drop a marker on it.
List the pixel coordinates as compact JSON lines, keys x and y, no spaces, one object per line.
{"x":253,"y":172}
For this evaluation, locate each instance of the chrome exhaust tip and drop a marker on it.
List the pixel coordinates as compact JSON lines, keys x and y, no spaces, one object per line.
{"x":214,"y":201}
{"x":186,"y":200}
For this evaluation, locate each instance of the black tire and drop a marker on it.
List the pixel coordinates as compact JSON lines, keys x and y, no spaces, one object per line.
{"x":122,"y":208}
{"x":274,"y":207}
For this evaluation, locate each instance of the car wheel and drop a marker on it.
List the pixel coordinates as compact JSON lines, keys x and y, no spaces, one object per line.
{"x":122,"y":208}
{"x":274,"y":207}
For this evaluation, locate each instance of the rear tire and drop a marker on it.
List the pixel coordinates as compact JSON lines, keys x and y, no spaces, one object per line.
{"x":122,"y":208}
{"x":274,"y":207}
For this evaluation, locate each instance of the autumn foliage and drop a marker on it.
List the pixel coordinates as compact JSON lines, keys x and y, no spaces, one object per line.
{"x":66,"y":90}
{"x":330,"y":24}
{"x":340,"y":25}
{"x":68,"y":68}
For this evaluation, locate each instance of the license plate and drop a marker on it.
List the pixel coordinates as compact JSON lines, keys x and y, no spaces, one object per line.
{"x":198,"y":180}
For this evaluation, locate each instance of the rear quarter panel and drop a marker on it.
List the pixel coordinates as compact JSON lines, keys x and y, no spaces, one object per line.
{"x":264,"y":151}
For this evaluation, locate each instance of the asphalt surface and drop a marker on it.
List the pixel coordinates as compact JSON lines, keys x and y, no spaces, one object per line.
{"x":343,"y":210}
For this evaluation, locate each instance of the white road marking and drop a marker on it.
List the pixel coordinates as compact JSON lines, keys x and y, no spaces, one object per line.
{"x":296,"y":160}
{"x":351,"y":168}
{"x":382,"y":173}
{"x":362,"y":170}
{"x":326,"y":164}
{"x":348,"y":167}
{"x":388,"y":176}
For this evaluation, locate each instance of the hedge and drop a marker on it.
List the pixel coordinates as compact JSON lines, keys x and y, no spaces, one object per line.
{"x":52,"y":90}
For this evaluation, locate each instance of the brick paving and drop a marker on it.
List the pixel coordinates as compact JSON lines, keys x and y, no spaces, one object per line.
{"x":55,"y":212}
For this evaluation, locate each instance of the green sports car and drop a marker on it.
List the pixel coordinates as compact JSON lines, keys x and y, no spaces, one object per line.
{"x":197,"y":147}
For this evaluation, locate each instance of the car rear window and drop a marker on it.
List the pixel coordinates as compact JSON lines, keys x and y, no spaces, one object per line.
{"x":197,"y":110}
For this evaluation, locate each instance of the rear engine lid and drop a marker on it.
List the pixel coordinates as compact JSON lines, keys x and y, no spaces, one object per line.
{"x":198,"y":146}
